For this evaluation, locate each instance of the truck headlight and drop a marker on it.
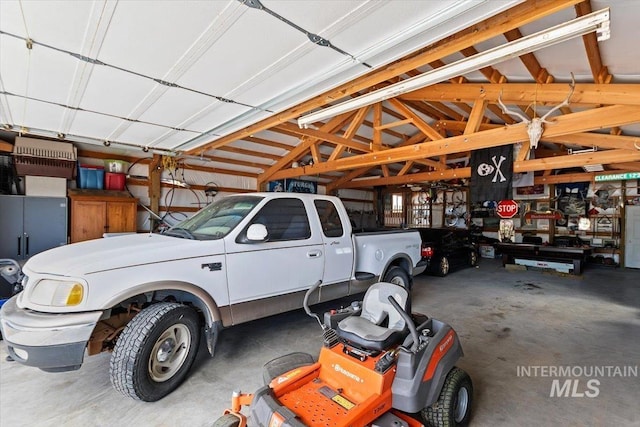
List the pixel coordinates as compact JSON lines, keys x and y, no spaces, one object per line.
{"x":57,"y":293}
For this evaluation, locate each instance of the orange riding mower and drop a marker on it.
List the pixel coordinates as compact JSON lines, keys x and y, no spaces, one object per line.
{"x":379,"y":366}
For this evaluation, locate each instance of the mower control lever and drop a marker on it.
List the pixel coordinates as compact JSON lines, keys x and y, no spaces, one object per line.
{"x":407,"y":319}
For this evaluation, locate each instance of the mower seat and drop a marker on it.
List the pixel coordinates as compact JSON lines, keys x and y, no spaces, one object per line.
{"x":366,"y":330}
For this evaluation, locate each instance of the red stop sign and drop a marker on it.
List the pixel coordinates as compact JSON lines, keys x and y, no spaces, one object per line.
{"x":507,"y":208}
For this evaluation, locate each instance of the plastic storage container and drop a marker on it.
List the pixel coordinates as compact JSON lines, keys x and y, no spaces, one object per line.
{"x":116,"y":166}
{"x":91,"y":177}
{"x":115,"y":181}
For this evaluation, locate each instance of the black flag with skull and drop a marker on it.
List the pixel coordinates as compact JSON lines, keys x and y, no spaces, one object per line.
{"x":491,"y":174}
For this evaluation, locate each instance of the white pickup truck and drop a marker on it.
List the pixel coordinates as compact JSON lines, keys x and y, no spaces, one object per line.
{"x":146,"y":296}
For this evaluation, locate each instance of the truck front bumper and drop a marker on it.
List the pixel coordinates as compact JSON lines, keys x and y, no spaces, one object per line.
{"x":51,"y":342}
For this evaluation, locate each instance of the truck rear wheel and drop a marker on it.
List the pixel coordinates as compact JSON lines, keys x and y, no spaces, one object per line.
{"x":443,"y":266}
{"x":155,"y":351}
{"x":398,"y":276}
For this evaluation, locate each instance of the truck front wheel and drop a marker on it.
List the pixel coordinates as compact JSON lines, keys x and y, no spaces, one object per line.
{"x":155,"y":351}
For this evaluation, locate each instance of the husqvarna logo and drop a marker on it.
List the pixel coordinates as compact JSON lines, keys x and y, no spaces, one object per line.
{"x":346,"y":373}
{"x":446,"y":343}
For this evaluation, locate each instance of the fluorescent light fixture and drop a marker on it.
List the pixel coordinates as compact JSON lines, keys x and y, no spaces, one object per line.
{"x":593,"y":168}
{"x":596,"y":21}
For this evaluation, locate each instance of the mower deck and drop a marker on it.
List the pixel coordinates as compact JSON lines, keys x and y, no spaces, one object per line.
{"x":337,"y":389}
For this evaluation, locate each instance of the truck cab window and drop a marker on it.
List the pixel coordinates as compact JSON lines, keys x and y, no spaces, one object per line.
{"x":285,"y":219}
{"x":329,"y":218}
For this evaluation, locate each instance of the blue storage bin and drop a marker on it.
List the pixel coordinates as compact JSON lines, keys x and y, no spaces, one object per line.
{"x":91,"y":177}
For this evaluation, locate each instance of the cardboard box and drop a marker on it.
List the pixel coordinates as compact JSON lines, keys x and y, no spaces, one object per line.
{"x":45,"y":186}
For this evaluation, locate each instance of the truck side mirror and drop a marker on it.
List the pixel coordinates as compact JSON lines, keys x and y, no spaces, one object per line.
{"x":257,"y":233}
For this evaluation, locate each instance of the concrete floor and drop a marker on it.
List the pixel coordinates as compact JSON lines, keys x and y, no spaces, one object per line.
{"x":506,"y":319}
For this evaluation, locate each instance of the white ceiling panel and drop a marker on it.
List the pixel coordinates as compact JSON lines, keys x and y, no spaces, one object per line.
{"x":314,"y":66}
{"x":142,"y":36}
{"x":141,"y":134}
{"x":33,"y":114}
{"x":214,"y":115}
{"x":51,"y":22}
{"x":243,"y":51}
{"x":93,"y":125}
{"x":176,"y":107}
{"x":114,"y":92}
{"x":171,"y":139}
{"x":14,"y":63}
{"x":258,"y":147}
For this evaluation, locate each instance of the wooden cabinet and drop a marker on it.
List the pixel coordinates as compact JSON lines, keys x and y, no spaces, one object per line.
{"x":94,"y":213}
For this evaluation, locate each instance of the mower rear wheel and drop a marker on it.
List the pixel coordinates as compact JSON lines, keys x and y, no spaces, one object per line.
{"x":227,"y":420}
{"x":278,"y":366}
{"x":453,"y":407}
{"x":398,"y":276}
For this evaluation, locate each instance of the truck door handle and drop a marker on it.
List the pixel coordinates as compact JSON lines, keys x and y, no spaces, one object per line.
{"x":314,"y":254}
{"x":26,"y":244}
{"x":19,"y":244}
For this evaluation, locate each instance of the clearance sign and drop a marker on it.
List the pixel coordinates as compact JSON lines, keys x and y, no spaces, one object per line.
{"x":618,"y":176}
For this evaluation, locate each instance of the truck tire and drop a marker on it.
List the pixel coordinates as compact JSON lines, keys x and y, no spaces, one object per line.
{"x":443,"y":266}
{"x":453,"y":407}
{"x":227,"y":420}
{"x":155,"y":351}
{"x":278,"y":366}
{"x":398,"y":276}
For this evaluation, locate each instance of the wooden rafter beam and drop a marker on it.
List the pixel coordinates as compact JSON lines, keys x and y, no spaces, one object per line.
{"x":305,"y":143}
{"x":551,"y":93}
{"x":517,"y":16}
{"x":346,"y":178}
{"x":529,"y":60}
{"x":350,"y":132}
{"x":585,"y":139}
{"x":476,"y":116}
{"x":567,"y":161}
{"x":599,"y":71}
{"x":267,"y":142}
{"x":631,"y":167}
{"x":422,"y":126}
{"x":427,"y":109}
{"x":584,"y":121}
{"x":325,"y":136}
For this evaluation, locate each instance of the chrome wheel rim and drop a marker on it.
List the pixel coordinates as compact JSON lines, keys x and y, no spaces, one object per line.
{"x":462,"y":402}
{"x":444,"y":266}
{"x":169,"y":352}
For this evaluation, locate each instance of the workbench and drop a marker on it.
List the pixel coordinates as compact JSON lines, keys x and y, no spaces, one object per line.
{"x":562,"y":259}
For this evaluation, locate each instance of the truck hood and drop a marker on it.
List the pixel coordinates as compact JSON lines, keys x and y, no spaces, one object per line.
{"x":117,"y":252}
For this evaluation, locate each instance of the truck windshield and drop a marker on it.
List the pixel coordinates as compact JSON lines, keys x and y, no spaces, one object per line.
{"x":216,"y":220}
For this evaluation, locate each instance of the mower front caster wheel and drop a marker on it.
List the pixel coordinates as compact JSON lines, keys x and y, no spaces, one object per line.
{"x":227,"y":420}
{"x":278,"y":366}
{"x":453,"y":407}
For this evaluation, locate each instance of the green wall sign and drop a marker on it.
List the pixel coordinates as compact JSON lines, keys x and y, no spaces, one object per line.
{"x":618,"y":176}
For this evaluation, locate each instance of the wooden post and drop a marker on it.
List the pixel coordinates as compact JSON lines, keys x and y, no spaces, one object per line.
{"x":155,"y":172}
